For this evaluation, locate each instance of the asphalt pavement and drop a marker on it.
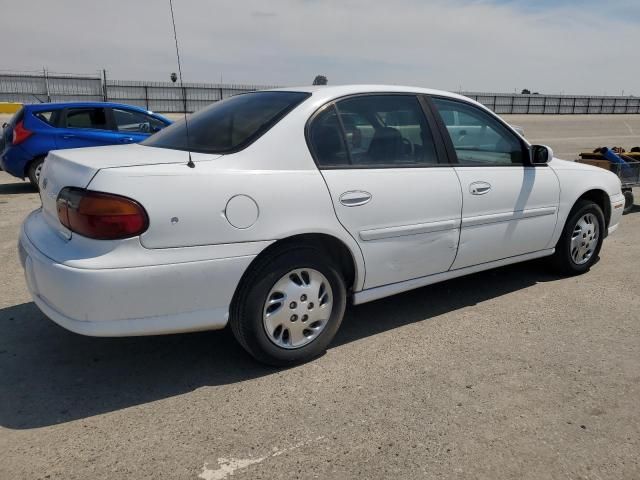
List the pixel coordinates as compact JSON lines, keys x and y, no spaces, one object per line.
{"x":514,"y":373}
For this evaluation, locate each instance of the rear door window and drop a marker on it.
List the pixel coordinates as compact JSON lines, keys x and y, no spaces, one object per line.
{"x":91,"y":118}
{"x":326,"y":139}
{"x":387,"y":130}
{"x":229,"y":125}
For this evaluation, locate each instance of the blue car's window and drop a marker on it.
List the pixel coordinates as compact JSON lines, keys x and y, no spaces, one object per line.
{"x":229,"y":125}
{"x":136,"y":122}
{"x":95,"y":118}
{"x":48,"y":116}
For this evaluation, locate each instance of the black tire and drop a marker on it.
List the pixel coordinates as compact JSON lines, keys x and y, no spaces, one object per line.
{"x":628,"y":201}
{"x":562,"y":260}
{"x":33,"y":169}
{"x":246,"y":317}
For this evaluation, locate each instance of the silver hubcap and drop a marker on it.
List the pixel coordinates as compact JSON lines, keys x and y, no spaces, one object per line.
{"x":584,"y":238}
{"x":298,"y":308}
{"x":38,"y":170}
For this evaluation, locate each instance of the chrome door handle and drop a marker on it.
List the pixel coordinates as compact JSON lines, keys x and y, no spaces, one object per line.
{"x":68,"y":136}
{"x":355,"y":198}
{"x":479,"y":188}
{"x":126,"y":140}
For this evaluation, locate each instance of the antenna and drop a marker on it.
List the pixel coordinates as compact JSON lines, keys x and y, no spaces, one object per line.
{"x":190,"y":163}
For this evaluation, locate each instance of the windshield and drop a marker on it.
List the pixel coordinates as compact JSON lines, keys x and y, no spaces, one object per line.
{"x":228,"y":125}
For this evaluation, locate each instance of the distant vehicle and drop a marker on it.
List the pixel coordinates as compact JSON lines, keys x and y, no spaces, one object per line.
{"x":36,"y":129}
{"x":301,"y":201}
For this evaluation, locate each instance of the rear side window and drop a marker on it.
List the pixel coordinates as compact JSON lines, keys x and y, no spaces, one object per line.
{"x":94,"y":118}
{"x":228,"y":125}
{"x":48,"y":116}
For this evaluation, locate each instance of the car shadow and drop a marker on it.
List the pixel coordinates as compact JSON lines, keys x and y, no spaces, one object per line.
{"x":51,"y":376}
{"x":17,"y":188}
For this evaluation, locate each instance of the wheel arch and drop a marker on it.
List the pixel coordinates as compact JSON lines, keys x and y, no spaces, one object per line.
{"x":600,"y":198}
{"x":27,"y":165}
{"x":345,"y":257}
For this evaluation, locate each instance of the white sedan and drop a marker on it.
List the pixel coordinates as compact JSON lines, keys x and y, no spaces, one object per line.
{"x":270,"y":211}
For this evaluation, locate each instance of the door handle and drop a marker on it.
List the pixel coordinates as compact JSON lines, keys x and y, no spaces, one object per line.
{"x":66,"y":137}
{"x":126,"y":140}
{"x":355,"y":198}
{"x":479,"y":188}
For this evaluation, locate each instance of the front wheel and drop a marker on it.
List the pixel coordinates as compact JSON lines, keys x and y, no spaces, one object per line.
{"x":579,"y":245}
{"x":289,"y":306}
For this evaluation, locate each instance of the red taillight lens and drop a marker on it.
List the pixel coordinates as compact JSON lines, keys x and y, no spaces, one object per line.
{"x":102,"y":216}
{"x":20,"y":133}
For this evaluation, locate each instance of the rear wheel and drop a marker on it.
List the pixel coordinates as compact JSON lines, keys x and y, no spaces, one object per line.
{"x":579,"y":245}
{"x":35,"y":168}
{"x":289,"y":306}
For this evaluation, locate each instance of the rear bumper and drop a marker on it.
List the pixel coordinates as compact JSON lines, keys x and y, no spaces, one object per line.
{"x":14,"y":160}
{"x":144,"y":300}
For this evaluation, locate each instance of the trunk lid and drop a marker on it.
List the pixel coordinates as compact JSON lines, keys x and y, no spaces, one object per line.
{"x":76,"y":168}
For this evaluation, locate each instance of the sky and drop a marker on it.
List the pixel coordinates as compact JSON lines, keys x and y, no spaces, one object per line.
{"x":549,"y":46}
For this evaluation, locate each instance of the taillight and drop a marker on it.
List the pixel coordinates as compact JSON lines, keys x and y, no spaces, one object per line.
{"x":20,"y":133}
{"x":102,"y":216}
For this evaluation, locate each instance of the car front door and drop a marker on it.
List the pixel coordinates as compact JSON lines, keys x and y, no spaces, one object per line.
{"x":133,"y":126}
{"x":510,"y":207}
{"x":391,"y":185}
{"x":85,"y":127}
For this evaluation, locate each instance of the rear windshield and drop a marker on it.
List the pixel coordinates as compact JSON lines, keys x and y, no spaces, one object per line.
{"x":229,"y":125}
{"x":17,"y":117}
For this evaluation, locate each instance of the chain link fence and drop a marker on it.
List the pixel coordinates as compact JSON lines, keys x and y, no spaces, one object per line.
{"x":170,"y":97}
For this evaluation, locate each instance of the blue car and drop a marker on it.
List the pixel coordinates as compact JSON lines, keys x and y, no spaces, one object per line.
{"x":36,"y":129}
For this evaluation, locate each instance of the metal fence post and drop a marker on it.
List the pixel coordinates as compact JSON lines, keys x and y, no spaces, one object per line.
{"x":105,"y":95}
{"x":46,"y":85}
{"x":146,"y":96}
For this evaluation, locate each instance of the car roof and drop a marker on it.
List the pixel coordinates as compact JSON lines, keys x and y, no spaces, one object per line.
{"x":326,"y":92}
{"x":60,"y":105}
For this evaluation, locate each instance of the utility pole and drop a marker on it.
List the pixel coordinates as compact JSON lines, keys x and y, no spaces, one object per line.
{"x":46,"y":84}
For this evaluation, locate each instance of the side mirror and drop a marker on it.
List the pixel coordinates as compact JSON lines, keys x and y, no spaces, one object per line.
{"x":4,"y":125}
{"x":541,"y":154}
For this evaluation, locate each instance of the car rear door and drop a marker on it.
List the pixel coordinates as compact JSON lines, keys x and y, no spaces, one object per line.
{"x":510,"y":206}
{"x":85,"y":127}
{"x":390,"y":183}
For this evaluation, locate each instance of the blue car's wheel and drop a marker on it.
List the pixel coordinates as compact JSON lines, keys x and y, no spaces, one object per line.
{"x":34,"y":171}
